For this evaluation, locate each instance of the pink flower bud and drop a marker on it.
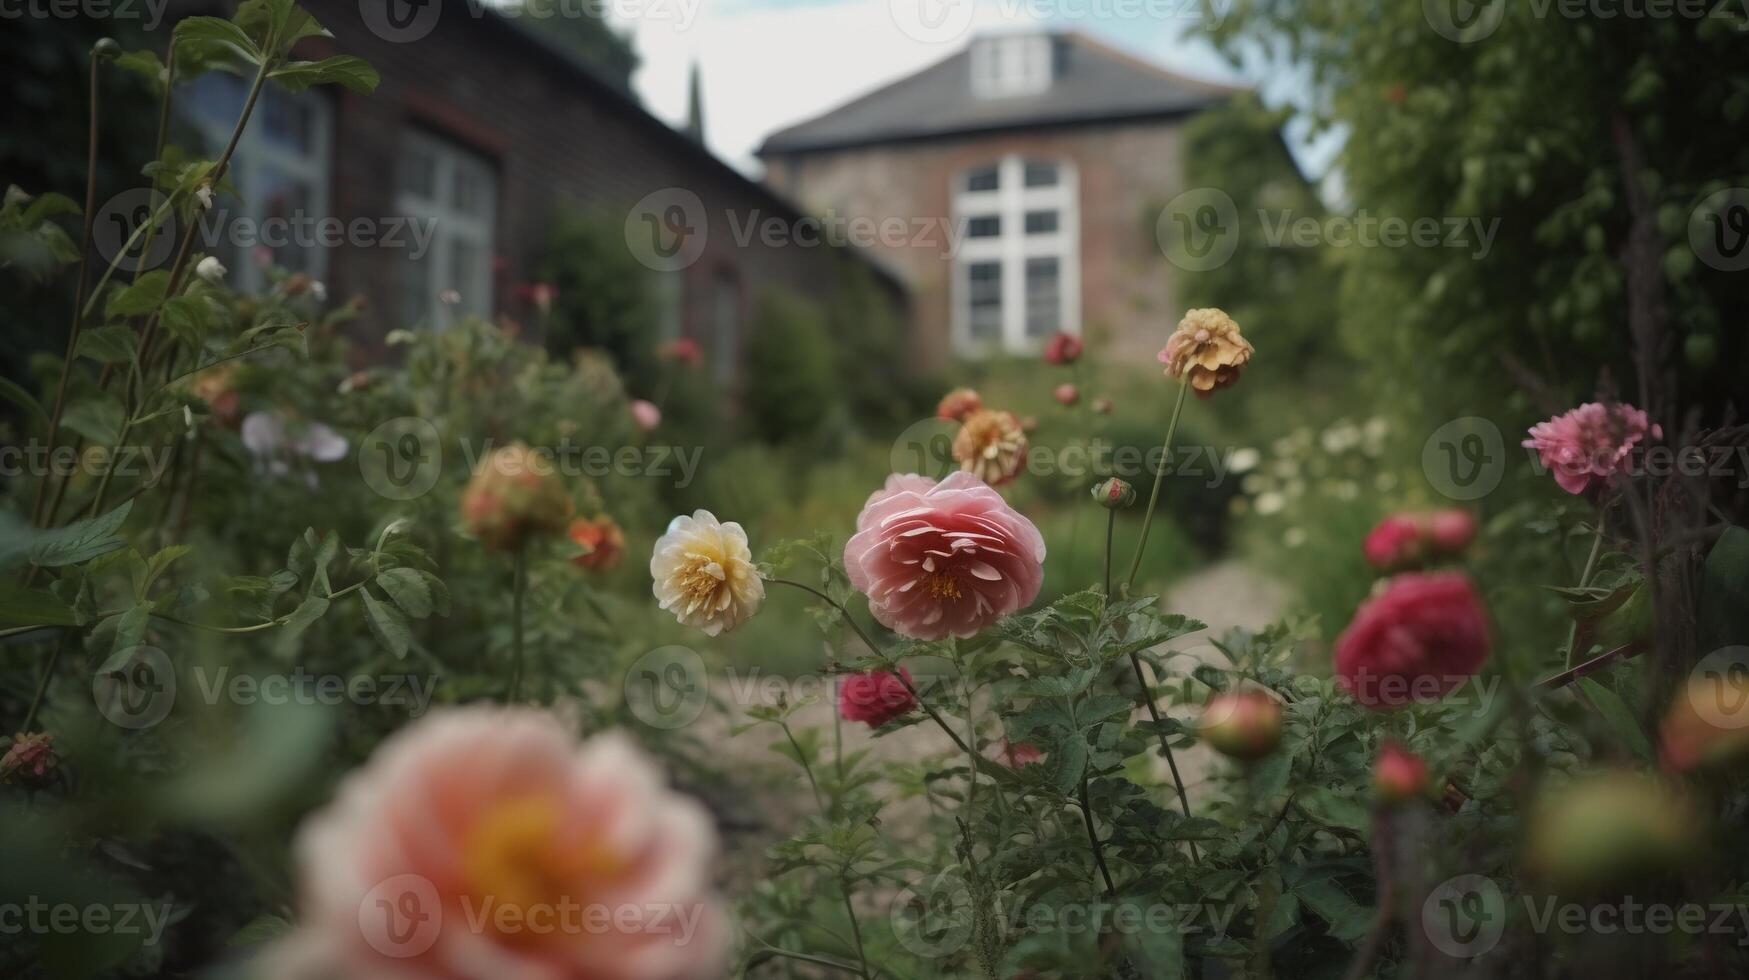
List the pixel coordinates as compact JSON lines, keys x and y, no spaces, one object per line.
{"x":1399,"y":774}
{"x":1245,"y":725}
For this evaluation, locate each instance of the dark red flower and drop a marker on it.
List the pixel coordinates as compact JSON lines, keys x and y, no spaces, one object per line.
{"x":1417,"y":640}
{"x":876,"y":697}
{"x":1063,"y":348}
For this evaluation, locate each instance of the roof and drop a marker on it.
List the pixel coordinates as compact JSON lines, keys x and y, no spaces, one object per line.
{"x":680,"y":143}
{"x":1092,"y":83}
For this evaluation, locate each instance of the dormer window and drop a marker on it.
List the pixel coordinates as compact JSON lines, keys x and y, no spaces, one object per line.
{"x":1012,"y":64}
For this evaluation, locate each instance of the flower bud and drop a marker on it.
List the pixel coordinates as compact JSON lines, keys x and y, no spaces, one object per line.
{"x":514,"y":494}
{"x":106,"y":49}
{"x":1114,"y":494}
{"x":1610,"y":830}
{"x":1451,"y":530}
{"x":1066,"y":394}
{"x":1399,"y":774}
{"x":1245,"y":725}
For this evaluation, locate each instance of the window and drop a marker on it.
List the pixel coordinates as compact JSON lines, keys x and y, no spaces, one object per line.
{"x":1013,"y":64}
{"x":1017,"y":269}
{"x":455,"y":193}
{"x":283,"y":159}
{"x":984,"y":226}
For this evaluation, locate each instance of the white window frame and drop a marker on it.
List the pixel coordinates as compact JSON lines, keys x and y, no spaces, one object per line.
{"x":1010,"y":201}
{"x":1011,"y":64}
{"x":255,"y":156}
{"x":452,"y":226}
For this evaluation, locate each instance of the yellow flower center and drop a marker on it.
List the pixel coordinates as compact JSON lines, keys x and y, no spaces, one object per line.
{"x":513,"y":858}
{"x":941,"y":585}
{"x":701,"y":577}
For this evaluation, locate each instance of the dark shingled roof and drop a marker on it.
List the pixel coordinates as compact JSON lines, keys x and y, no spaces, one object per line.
{"x":1092,"y":83}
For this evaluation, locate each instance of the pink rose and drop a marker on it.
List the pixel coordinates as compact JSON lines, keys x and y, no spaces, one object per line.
{"x":1417,"y":640}
{"x":488,"y":842}
{"x":876,"y":697}
{"x":1067,"y":394}
{"x":1395,"y":543}
{"x":943,"y":559}
{"x":1591,"y":443}
{"x":1063,"y":348}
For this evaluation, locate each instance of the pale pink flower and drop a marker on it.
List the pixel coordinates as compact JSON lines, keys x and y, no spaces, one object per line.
{"x":645,"y":415}
{"x":943,"y":559}
{"x":487,"y":842}
{"x":1591,"y":443}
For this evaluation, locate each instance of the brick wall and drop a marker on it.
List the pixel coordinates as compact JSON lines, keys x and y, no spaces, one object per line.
{"x":1127,"y":171}
{"x":556,"y":139}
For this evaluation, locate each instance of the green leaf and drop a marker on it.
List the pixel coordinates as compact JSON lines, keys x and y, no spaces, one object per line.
{"x":77,"y":542}
{"x":17,"y":395}
{"x":1157,"y":954}
{"x":188,"y":318}
{"x":1348,"y":919}
{"x":313,"y":608}
{"x":264,"y":928}
{"x":145,"y":64}
{"x":98,"y":418}
{"x":408,"y":589}
{"x":1067,"y":761}
{"x":387,"y":624}
{"x":1724,"y":592}
{"x":34,"y":607}
{"x":140,"y":297}
{"x":1337,"y":811}
{"x":355,"y":74}
{"x":107,"y":345}
{"x":204,"y":38}
{"x":1620,"y":719}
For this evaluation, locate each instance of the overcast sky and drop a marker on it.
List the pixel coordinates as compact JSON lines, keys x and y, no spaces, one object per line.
{"x":769,"y":63}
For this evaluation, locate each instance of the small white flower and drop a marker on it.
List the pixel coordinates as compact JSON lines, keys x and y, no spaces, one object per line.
{"x":16,"y":196}
{"x":1294,"y":537}
{"x":449,"y":297}
{"x":704,"y":573}
{"x":204,"y":194}
{"x":1270,"y":503}
{"x":398,"y":337}
{"x":1244,"y":460}
{"x":319,"y":290}
{"x":210,"y":269}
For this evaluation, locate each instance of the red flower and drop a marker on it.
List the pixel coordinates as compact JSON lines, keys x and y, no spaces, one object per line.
{"x":681,"y":350}
{"x":876,"y":697}
{"x":1395,"y":543}
{"x":1399,"y":774}
{"x":601,"y":540}
{"x":1417,"y":640}
{"x":957,"y":404}
{"x":1451,"y":530}
{"x":30,"y":759}
{"x":1063,"y":348}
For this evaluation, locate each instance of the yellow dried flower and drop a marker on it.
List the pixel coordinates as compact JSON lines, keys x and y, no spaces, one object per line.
{"x":991,"y":445}
{"x":1206,"y":351}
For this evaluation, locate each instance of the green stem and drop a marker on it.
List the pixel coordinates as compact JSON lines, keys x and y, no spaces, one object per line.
{"x":876,"y":649}
{"x":1147,"y":696}
{"x":1110,"y":526}
{"x":1584,"y":580}
{"x":855,"y":927}
{"x":42,"y":684}
{"x":802,"y":758}
{"x":1159,"y":478}
{"x":1093,"y":839}
{"x":79,"y":293}
{"x":518,"y":585}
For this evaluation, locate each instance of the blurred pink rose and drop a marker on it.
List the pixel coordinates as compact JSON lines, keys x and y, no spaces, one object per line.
{"x":943,"y":559}
{"x":645,"y":415}
{"x":876,"y":697}
{"x":1067,"y":394}
{"x":487,"y":842}
{"x":1591,"y":443}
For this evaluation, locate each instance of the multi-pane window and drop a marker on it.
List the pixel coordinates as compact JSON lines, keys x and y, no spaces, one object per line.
{"x":454,"y":194}
{"x":1013,"y":64}
{"x":1017,"y":268}
{"x":283,"y":160}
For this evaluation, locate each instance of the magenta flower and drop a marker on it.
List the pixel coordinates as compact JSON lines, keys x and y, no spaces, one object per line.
{"x":943,"y":559}
{"x":1591,"y":443}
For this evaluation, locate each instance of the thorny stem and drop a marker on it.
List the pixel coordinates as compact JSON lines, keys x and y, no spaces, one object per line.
{"x":1159,"y":478}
